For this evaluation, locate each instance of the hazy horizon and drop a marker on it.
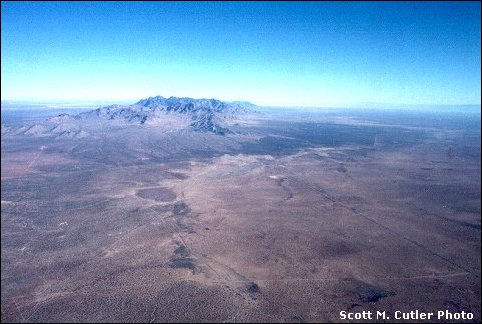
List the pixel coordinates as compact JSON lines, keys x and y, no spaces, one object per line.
{"x":271,"y":54}
{"x":65,"y":105}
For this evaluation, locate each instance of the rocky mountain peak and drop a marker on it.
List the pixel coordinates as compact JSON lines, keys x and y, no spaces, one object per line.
{"x":205,"y":114}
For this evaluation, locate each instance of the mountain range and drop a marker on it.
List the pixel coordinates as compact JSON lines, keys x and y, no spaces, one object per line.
{"x":204,"y":115}
{"x":209,"y":115}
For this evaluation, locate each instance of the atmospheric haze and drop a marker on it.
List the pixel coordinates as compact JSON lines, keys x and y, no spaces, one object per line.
{"x":159,"y":165}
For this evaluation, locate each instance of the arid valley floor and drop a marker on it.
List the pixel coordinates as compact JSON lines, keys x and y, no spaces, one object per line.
{"x":293,"y":217}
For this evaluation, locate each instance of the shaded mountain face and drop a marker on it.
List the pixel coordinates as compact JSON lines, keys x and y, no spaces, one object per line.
{"x":208,"y":115}
{"x":204,"y":115}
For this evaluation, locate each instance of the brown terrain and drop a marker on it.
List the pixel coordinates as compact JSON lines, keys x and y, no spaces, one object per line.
{"x":296,"y":236}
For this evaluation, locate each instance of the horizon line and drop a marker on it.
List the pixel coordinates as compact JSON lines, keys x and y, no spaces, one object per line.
{"x":374,"y":104}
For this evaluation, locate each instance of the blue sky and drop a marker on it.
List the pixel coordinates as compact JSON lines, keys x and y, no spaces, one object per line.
{"x":278,"y":53}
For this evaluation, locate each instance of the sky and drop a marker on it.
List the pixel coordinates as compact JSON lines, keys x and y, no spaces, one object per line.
{"x":269,"y":53}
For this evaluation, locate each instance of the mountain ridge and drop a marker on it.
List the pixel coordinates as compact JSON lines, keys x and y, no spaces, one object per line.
{"x":205,"y":114}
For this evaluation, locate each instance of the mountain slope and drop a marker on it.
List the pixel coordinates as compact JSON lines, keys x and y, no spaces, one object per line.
{"x":167,"y":114}
{"x":209,"y":115}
